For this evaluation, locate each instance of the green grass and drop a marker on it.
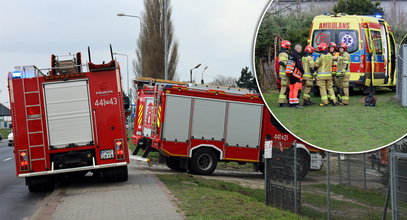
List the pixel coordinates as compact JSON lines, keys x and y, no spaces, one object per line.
{"x":368,"y":197}
{"x":346,"y":202}
{"x":352,"y":128}
{"x":201,"y":198}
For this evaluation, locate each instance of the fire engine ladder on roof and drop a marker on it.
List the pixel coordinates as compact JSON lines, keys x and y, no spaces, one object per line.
{"x":34,"y":123}
{"x":227,"y":90}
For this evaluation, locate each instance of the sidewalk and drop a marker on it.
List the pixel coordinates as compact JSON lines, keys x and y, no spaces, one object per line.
{"x":143,"y":196}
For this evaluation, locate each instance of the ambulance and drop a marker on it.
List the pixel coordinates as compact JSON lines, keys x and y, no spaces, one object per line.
{"x":371,"y":45}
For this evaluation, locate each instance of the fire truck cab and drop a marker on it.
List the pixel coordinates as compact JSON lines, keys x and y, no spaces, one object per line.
{"x":195,"y":126}
{"x":68,"y":121}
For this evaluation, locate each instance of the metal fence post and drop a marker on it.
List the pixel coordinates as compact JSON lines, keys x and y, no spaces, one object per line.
{"x":364,"y":170}
{"x":266,"y":182}
{"x":267,"y":157}
{"x":328,"y":184}
{"x":348,"y":168}
{"x":295,"y":177}
{"x":393,"y":185}
{"x":339,"y":169}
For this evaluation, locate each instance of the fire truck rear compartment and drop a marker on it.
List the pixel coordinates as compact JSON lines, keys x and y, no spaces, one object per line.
{"x":72,"y":159}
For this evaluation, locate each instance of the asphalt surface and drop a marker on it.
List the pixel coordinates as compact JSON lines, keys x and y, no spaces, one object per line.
{"x":16,"y":202}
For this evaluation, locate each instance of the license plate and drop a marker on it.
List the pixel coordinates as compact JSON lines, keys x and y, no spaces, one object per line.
{"x":106,"y":154}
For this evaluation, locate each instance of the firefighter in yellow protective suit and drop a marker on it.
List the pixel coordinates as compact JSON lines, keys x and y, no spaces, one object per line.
{"x":344,"y":72}
{"x":307,"y":83}
{"x":324,"y":75}
{"x":337,"y":81}
{"x":282,"y":61}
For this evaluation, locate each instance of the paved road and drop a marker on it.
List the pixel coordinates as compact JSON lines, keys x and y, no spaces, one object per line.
{"x":143,"y":196}
{"x":16,"y":202}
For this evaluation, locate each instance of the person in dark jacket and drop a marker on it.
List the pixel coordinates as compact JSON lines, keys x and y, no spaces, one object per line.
{"x":295,"y":72}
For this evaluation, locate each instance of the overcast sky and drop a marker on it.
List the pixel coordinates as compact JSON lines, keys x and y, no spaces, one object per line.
{"x":216,"y":33}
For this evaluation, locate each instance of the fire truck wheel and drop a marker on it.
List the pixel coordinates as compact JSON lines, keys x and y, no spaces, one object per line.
{"x":203,"y":162}
{"x":174,"y":164}
{"x":302,"y":167}
{"x":48,"y":187}
{"x":261,"y":168}
{"x":122,"y":174}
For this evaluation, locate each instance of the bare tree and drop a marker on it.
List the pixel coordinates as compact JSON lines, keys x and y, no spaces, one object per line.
{"x":150,"y":45}
{"x":226,"y":81}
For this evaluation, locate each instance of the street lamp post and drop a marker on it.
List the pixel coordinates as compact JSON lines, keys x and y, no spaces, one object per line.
{"x":190,"y":72}
{"x":165,"y":41}
{"x":202,"y":80}
{"x":132,"y":16}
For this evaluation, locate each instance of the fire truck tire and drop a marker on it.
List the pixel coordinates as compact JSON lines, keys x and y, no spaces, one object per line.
{"x":122,"y":174}
{"x":261,"y":168}
{"x":48,"y":187}
{"x":303,"y":167}
{"x":203,"y":162}
{"x":174,"y":164}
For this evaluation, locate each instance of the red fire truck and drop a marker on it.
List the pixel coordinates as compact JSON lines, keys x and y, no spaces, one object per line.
{"x":195,"y":126}
{"x":68,"y":122}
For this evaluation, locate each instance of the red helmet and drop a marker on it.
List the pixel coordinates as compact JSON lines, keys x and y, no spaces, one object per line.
{"x":322,"y":47}
{"x":285,"y":44}
{"x":332,"y":44}
{"x":309,"y":49}
{"x":343,"y":45}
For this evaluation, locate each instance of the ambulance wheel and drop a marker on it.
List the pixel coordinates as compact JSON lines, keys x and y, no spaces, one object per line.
{"x":174,"y":164}
{"x":203,"y":162}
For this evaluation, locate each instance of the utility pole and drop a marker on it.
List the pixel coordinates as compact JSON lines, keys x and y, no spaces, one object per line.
{"x":165,"y":41}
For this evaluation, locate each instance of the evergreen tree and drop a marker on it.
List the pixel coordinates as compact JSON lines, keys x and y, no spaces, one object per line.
{"x":358,"y":7}
{"x":247,"y":80}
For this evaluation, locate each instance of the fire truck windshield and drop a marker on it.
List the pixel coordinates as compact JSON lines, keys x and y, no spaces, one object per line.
{"x":350,"y":37}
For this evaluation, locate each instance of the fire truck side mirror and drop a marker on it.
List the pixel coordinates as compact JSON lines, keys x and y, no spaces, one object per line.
{"x":126,"y":101}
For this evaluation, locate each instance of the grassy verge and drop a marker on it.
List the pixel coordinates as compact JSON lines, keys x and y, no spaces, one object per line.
{"x":345,"y":128}
{"x":368,"y":197}
{"x":201,"y":198}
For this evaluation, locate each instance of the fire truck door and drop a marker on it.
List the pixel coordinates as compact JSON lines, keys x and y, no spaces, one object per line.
{"x":68,"y":113}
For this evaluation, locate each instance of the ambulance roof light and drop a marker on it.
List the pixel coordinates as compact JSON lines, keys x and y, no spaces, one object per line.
{"x":378,"y":16}
{"x":327,"y":13}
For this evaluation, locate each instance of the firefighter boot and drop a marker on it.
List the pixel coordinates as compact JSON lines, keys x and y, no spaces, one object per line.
{"x":308,"y":103}
{"x":284,"y":105}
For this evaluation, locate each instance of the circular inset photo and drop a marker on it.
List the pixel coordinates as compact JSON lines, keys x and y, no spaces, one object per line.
{"x":332,"y":74}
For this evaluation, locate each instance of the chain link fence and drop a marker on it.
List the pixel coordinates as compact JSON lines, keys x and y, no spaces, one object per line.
{"x":282,"y":179}
{"x":398,"y":180}
{"x":349,"y":186}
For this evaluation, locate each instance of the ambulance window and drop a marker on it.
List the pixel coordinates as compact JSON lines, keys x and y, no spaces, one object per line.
{"x":321,"y":36}
{"x":377,"y":41}
{"x":350,"y":37}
